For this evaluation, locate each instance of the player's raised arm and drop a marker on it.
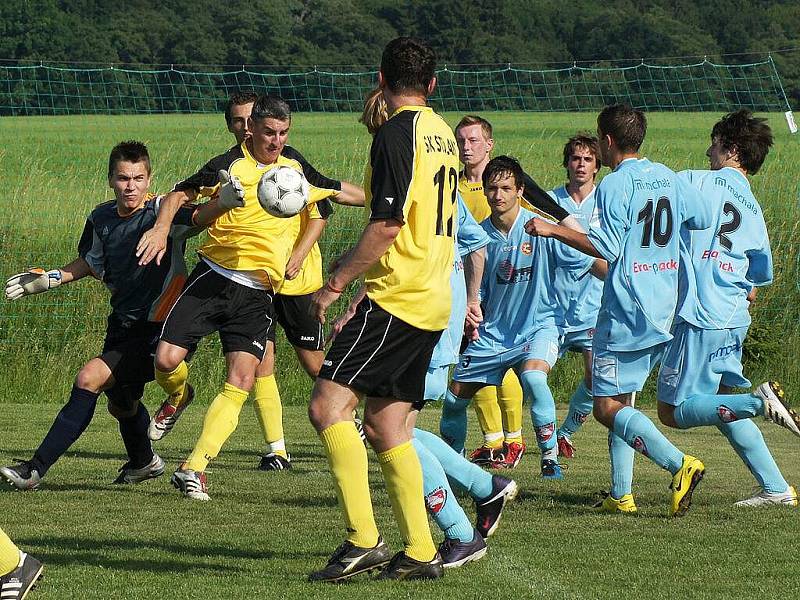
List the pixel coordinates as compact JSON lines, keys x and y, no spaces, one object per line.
{"x":350,"y":195}
{"x":153,"y":242}
{"x":566,"y":235}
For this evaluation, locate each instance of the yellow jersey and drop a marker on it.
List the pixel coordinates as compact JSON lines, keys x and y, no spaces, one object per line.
{"x":247,"y":238}
{"x":412,"y":178}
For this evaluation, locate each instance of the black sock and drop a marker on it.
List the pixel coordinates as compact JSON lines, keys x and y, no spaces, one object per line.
{"x":134,"y":436}
{"x":70,"y":423}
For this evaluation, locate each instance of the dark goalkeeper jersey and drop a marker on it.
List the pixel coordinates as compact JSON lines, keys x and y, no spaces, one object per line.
{"x":108,"y":245}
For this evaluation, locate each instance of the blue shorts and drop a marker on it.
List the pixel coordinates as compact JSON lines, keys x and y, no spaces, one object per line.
{"x":576,"y":341}
{"x":492,"y":368}
{"x":698,"y":360}
{"x":436,"y":382}
{"x":616,"y":372}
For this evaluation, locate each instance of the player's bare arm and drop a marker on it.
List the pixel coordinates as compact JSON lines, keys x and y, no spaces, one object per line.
{"x":153,"y":243}
{"x":599,"y":268}
{"x":341,"y":321}
{"x":473,"y":273}
{"x":565,"y":235}
{"x":311,"y":235}
{"x":350,"y":195}
{"x":374,"y":242}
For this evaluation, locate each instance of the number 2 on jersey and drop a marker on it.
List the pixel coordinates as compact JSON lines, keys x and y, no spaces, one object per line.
{"x":439,"y":182}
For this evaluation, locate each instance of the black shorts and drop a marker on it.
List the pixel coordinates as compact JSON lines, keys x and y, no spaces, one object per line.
{"x":128,"y":351}
{"x":302,"y":329}
{"x":381,"y":356}
{"x":210,"y":302}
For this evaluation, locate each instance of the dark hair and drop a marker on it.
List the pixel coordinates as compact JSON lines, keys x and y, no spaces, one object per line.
{"x":408,"y":64}
{"x":237,"y":99}
{"x":131,"y":151}
{"x":501,"y":166}
{"x":582,"y":139}
{"x":749,"y":136}
{"x":271,"y":107}
{"x":626,"y":125}
{"x":468,"y":120}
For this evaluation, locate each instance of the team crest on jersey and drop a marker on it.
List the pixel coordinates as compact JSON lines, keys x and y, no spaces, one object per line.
{"x":640,"y":446}
{"x":526,"y":248}
{"x":545,"y":432}
{"x":726,"y":415}
{"x":465,"y":360}
{"x":435,"y":501}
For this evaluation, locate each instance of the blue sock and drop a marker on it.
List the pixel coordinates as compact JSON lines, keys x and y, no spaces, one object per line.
{"x":134,"y":435}
{"x":439,"y":498}
{"x":641,"y":434}
{"x":746,"y":439}
{"x":713,"y":409}
{"x":453,"y":424}
{"x":466,"y":475}
{"x":621,"y":456}
{"x":580,"y":407}
{"x":71,"y":421}
{"x":543,"y":409}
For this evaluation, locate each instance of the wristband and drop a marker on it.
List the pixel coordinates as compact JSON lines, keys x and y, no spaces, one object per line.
{"x":330,"y":287}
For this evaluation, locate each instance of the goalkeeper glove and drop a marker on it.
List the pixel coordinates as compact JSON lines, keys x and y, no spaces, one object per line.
{"x":231,"y":192}
{"x":33,"y":281}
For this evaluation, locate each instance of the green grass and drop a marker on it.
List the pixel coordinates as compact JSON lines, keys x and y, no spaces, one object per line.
{"x":54,"y":173}
{"x":262,"y":533}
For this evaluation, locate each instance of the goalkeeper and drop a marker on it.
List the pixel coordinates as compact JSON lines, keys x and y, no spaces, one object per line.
{"x":141,"y":296}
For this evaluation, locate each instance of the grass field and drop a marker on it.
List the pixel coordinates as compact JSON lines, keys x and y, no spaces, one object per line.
{"x":263,"y":532}
{"x":54,"y":172}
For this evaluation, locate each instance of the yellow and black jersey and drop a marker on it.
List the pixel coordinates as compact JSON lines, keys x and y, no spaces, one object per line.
{"x":413,"y":178}
{"x":534,"y":198}
{"x":248,"y":238}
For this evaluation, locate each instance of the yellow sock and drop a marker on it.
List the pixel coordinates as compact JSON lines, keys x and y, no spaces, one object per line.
{"x":267,"y":403}
{"x":403,"y":475}
{"x":489,"y":417}
{"x":9,"y":554}
{"x":220,"y":422}
{"x":174,"y":383}
{"x":347,"y":458}
{"x":509,"y":398}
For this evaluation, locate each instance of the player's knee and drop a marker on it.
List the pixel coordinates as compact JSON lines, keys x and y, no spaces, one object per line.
{"x":242,"y":380}
{"x":91,"y":378}
{"x":666,"y":414}
{"x":168,"y":358}
{"x":602,"y":411}
{"x":319,"y":412}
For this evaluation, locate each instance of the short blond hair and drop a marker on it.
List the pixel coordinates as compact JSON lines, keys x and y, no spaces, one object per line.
{"x":375,"y":113}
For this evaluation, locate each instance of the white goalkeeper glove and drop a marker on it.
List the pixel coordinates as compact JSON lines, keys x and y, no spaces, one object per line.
{"x":231,"y":192}
{"x":32,"y":281}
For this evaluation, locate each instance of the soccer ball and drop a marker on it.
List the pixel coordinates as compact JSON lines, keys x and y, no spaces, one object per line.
{"x":283,"y":191}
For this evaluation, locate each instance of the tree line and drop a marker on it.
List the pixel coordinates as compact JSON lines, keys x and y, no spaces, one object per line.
{"x":353,"y":32}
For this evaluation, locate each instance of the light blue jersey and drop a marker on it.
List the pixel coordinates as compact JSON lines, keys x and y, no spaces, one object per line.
{"x":516,"y":290}
{"x":577,"y":290}
{"x":642,"y":206}
{"x":470,"y":236}
{"x":724,"y":262}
